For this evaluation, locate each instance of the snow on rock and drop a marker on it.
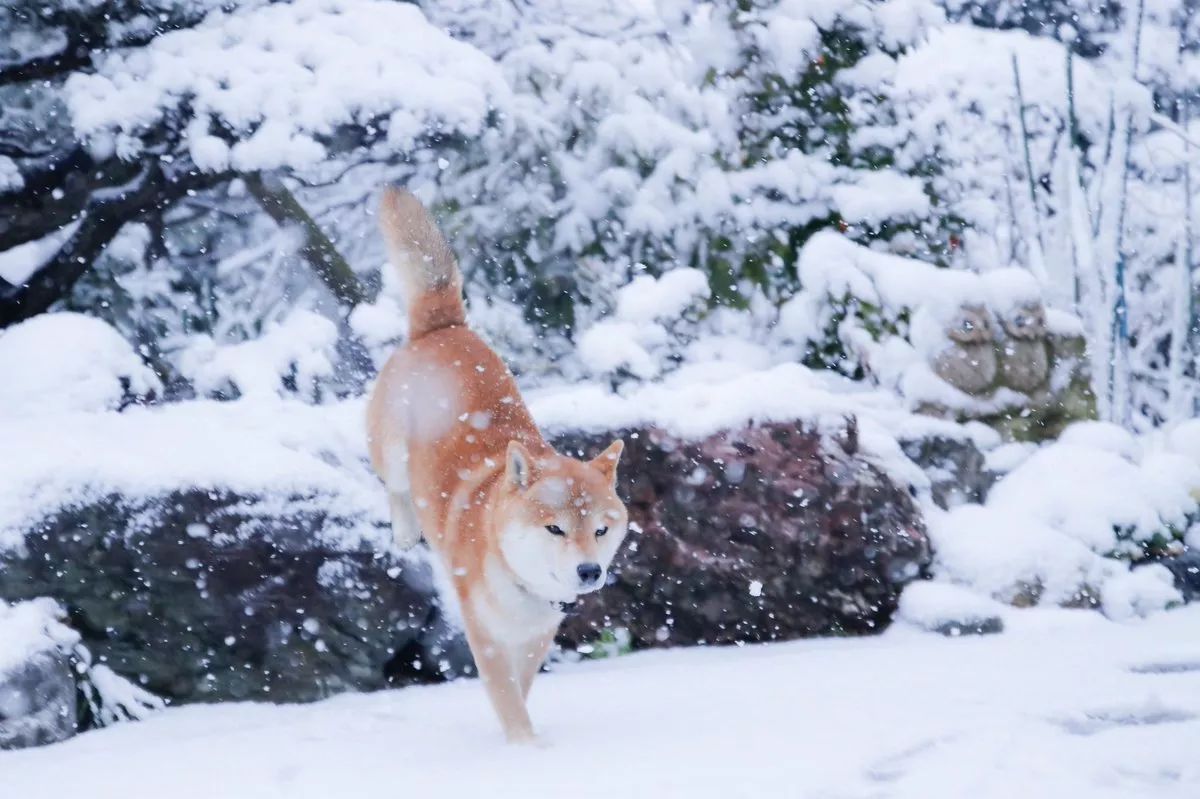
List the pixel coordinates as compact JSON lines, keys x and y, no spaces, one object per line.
{"x":695,"y":403}
{"x":1061,"y":526}
{"x":282,"y":77}
{"x":948,"y":609}
{"x":281,"y":450}
{"x":45,"y":669}
{"x":66,"y":362}
{"x":31,"y":628}
{"x":1013,"y":556}
{"x":725,"y":518}
{"x":37,"y":681}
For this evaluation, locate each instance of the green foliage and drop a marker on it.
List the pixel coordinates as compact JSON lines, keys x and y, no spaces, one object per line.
{"x":850,"y":311}
{"x":613,"y":642}
{"x":613,"y":170}
{"x":817,"y":113}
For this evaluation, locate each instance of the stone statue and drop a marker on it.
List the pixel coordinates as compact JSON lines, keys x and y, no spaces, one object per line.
{"x":1019,"y":354}
{"x":1025,"y":352}
{"x":969,"y":363}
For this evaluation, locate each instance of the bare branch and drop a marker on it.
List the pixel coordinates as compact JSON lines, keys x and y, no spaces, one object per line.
{"x":102,"y":219}
{"x":282,"y":206}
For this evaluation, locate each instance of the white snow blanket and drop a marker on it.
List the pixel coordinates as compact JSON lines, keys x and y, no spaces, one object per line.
{"x":1064,"y":704}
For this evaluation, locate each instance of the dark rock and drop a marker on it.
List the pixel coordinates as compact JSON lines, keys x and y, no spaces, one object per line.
{"x":1186,"y":570}
{"x":988,"y":625}
{"x":211,"y":596}
{"x":956,"y":468}
{"x":767,"y":533}
{"x":38,"y":701}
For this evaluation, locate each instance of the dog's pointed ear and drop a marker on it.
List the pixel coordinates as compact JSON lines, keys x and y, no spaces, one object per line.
{"x":606,"y":461}
{"x":518,"y":468}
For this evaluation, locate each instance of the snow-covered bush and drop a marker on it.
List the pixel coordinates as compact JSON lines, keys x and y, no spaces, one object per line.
{"x":1063,"y":526}
{"x":69,"y":362}
{"x":295,"y":355}
{"x":1087,"y":25}
{"x":268,"y":87}
{"x":1140,"y":592}
{"x":653,"y":320}
{"x":1016,"y":557}
{"x":1117,"y":501}
{"x":717,"y":138}
{"x":950,"y":341}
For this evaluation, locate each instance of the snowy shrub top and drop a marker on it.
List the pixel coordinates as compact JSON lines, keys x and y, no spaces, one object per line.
{"x":707,"y":138}
{"x":68,"y":362}
{"x":891,"y":315}
{"x":1115,"y":500}
{"x":1050,"y":529}
{"x":645,"y":329}
{"x":266,"y":87}
{"x":834,"y":269}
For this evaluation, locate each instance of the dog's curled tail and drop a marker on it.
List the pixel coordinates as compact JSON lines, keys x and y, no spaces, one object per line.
{"x":432,"y":282}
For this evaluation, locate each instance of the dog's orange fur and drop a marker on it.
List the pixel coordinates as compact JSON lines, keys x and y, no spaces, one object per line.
{"x":465,"y":465}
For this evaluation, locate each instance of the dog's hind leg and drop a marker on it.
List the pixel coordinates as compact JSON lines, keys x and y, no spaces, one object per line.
{"x":406,"y":530}
{"x":392,"y":465}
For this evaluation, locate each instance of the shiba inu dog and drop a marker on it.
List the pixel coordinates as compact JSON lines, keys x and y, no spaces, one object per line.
{"x":521,"y":530}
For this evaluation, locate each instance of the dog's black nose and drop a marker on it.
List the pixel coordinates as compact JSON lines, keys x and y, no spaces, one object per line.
{"x":588,"y":572}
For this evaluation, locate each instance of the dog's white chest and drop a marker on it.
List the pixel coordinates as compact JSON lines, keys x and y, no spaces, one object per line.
{"x":511,"y":613}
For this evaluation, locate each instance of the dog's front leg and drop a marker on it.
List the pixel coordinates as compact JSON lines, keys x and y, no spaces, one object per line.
{"x":500,"y":678}
{"x":532,"y":656}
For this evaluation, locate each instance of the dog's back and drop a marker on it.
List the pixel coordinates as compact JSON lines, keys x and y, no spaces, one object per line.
{"x":445,"y":403}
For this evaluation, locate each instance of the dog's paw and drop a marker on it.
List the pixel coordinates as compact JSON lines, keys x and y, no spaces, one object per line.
{"x":526,"y":738}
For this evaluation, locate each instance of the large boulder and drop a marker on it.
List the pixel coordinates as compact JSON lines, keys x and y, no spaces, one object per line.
{"x":766,"y":533}
{"x":200,"y":595}
{"x":769,"y":532}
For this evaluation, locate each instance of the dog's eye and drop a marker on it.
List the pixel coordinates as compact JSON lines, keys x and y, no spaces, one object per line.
{"x":554,"y":529}
{"x":601,"y":531}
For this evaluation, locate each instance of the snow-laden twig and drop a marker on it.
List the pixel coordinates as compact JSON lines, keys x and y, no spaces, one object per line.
{"x":1037,"y":258}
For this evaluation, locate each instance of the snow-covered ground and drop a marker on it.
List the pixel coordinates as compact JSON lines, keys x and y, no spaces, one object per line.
{"x":1062,"y":704}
